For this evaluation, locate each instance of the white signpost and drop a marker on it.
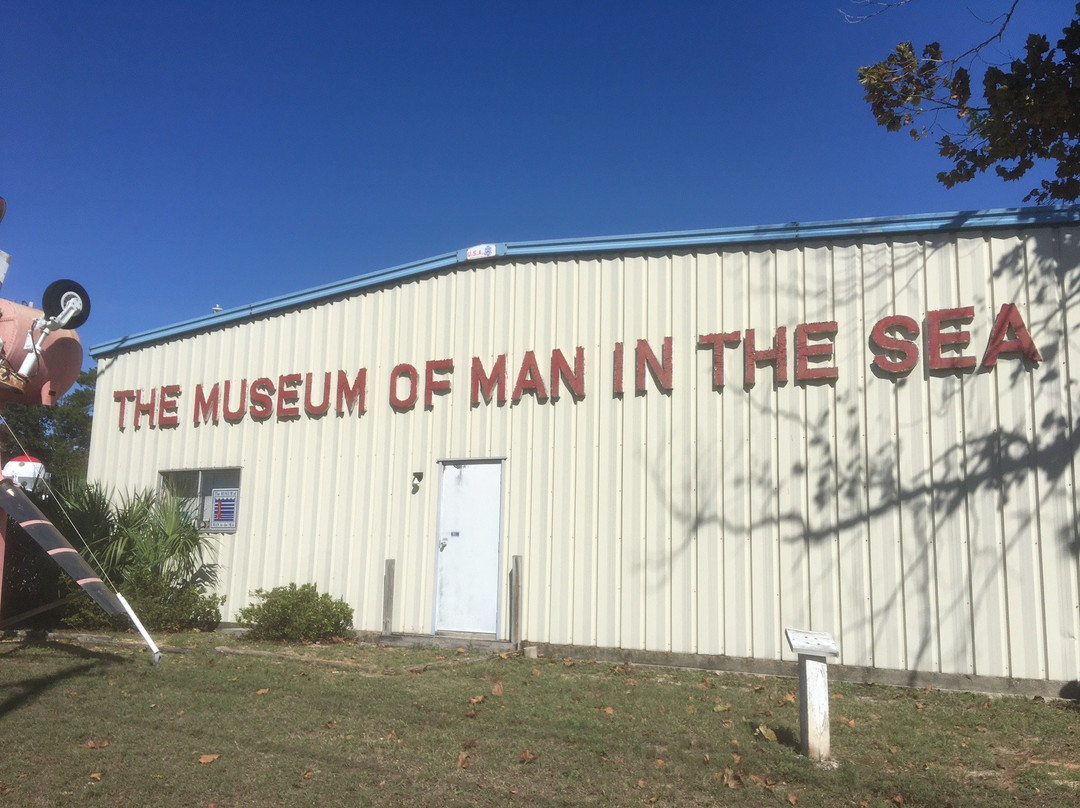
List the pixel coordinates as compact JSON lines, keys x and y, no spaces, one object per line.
{"x":813,"y":648}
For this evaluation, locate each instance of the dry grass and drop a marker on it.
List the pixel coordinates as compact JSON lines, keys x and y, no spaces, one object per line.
{"x":362,"y":725}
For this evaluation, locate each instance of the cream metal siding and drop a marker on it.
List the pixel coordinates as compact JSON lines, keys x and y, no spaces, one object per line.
{"x":928,"y":521}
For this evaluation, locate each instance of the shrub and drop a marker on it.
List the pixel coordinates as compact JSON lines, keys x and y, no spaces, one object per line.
{"x":296,"y":614}
{"x":147,"y":544}
{"x":160,"y":606}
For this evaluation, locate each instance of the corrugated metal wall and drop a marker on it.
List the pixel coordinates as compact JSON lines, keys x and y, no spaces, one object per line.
{"x":928,"y":521}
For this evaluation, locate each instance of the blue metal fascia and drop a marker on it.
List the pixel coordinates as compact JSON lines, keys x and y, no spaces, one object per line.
{"x":782,"y":233}
{"x":239,"y":314}
{"x":795,"y":231}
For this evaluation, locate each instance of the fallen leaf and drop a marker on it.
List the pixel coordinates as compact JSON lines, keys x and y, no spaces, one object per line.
{"x":659,"y":762}
{"x":504,"y":655}
{"x":641,"y":784}
{"x":476,"y":699}
{"x":469,"y":743}
{"x":736,"y":756}
{"x":92,"y":744}
{"x":850,"y":722}
{"x":180,"y":713}
{"x":609,"y":710}
{"x":705,"y":683}
{"x":497,"y":689}
{"x":791,"y":798}
{"x":535,"y":671}
{"x":463,"y":760}
{"x":527,"y":757}
{"x":459,"y":651}
{"x":766,"y":733}
{"x":721,"y":707}
{"x":309,"y":774}
{"x":898,"y":799}
{"x":787,"y":698}
{"x":568,"y":662}
{"x":208,"y":758}
{"x":97,"y":776}
{"x":262,"y":691}
{"x":731,"y":780}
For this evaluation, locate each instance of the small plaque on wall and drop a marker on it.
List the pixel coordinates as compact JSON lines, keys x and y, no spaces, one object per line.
{"x":223,"y":509}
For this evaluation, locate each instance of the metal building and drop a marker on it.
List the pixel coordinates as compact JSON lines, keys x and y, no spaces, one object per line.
{"x":687,"y":441}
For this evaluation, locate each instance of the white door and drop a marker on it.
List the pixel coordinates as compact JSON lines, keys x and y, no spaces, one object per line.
{"x":469,"y":539}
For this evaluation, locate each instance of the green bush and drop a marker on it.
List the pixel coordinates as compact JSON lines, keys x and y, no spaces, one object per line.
{"x":296,"y":614}
{"x":147,"y":544}
{"x":161,"y":606}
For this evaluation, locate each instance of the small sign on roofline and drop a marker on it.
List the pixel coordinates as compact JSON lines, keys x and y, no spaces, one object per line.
{"x":481,"y":251}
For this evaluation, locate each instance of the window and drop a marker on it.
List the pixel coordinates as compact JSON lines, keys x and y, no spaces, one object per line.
{"x":214,"y":495}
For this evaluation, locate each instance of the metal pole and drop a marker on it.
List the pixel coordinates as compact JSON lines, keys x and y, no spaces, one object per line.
{"x":515,"y":601}
{"x":388,"y":599}
{"x":138,"y":625}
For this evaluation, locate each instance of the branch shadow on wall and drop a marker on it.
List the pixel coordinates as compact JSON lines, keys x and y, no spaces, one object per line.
{"x":1007,"y":464}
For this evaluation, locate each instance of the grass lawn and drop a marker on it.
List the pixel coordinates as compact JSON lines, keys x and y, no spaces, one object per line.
{"x":355,"y":725}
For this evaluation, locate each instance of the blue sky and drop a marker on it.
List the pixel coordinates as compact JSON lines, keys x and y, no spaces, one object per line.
{"x":173,"y":156}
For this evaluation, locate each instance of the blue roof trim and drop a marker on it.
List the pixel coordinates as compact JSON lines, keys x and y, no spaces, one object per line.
{"x":795,"y":231}
{"x":848,"y":228}
{"x":275,"y":304}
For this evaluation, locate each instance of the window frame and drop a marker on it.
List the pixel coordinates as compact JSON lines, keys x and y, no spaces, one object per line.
{"x":207,"y":480}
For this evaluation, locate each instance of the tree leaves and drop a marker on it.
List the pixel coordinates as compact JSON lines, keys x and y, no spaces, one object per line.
{"x":60,"y":435}
{"x":1030,"y":112}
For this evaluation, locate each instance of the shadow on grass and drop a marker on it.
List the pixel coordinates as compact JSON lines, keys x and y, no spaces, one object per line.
{"x":786,"y":736}
{"x":19,"y":693}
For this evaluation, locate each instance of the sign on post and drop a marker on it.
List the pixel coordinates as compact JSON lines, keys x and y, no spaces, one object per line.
{"x":813,"y":648}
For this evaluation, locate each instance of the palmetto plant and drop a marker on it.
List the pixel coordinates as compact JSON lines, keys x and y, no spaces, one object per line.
{"x":145,"y":533}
